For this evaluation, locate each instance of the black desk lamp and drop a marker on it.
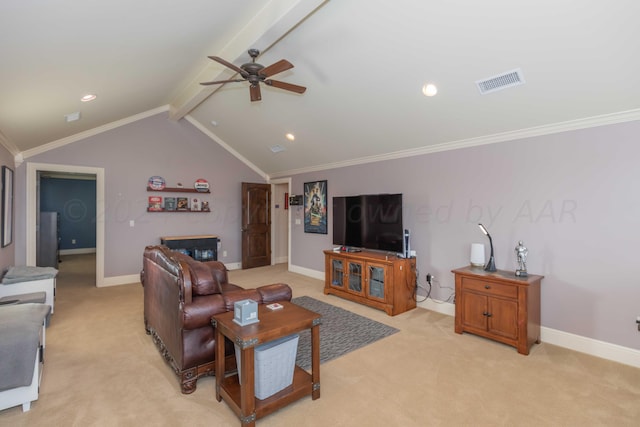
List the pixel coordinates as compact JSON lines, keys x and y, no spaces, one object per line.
{"x":491,"y":265}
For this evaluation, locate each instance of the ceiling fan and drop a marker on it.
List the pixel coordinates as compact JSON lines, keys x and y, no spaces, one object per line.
{"x":255,"y":73}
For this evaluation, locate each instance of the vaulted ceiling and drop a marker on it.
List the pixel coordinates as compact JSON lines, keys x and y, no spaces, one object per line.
{"x":364,"y":65}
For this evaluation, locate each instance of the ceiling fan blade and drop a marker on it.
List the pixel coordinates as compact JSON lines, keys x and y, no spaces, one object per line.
{"x":276,"y":68}
{"x":285,"y":86}
{"x":221,"y":81}
{"x":228,"y":64}
{"x":254,"y":91}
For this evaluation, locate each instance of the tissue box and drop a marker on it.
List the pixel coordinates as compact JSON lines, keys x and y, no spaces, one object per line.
{"x":245,"y":312}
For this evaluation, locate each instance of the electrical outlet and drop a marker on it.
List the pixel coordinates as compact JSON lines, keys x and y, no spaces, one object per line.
{"x":73,"y":241}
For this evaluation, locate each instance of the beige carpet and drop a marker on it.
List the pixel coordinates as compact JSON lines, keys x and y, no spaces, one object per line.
{"x":103,"y":370}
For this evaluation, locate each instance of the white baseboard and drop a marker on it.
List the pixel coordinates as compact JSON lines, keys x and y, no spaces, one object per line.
{"x":77,"y":251}
{"x":118,"y":280}
{"x":438,"y":306}
{"x":233,"y":265}
{"x":315,"y":274}
{"x":135,"y":278}
{"x":590,"y":346}
{"x":280,"y":260}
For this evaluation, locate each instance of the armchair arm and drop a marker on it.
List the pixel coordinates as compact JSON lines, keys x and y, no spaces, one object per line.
{"x":275,"y":292}
{"x":230,"y":298}
{"x":262,"y":295}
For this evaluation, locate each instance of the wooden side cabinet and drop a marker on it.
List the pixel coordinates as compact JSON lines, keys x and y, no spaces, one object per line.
{"x":381,"y":281}
{"x":498,"y":305}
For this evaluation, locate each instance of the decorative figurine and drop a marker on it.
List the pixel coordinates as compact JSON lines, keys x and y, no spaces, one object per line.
{"x":521,"y":256}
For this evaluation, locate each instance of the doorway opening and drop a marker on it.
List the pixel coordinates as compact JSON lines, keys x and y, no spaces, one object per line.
{"x":281,"y":222}
{"x":34,"y":172}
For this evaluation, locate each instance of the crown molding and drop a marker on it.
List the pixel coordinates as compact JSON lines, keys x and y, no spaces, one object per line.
{"x":10,"y":146}
{"x":226,"y":146}
{"x":589,"y":122}
{"x":572,"y":125}
{"x":92,"y":132}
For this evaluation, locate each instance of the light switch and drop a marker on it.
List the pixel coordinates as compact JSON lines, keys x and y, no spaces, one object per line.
{"x":297,"y":221}
{"x":132,"y":223}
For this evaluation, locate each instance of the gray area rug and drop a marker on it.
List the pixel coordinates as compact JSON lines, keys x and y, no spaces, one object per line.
{"x":341,"y":332}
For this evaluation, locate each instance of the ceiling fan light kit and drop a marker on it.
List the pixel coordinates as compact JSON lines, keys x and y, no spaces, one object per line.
{"x":256,"y":73}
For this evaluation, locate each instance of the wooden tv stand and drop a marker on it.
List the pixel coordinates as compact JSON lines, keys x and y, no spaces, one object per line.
{"x":382,"y":281}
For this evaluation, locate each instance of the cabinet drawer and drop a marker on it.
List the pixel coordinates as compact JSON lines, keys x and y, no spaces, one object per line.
{"x":489,"y":288}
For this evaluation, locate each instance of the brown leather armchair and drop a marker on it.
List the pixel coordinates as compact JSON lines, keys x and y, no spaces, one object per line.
{"x":180,"y":296}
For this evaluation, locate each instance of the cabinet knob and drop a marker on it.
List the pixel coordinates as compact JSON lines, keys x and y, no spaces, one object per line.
{"x":487,"y":287}
{"x":487,"y":314}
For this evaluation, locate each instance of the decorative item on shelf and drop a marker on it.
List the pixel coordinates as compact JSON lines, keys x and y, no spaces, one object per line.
{"x":196,"y":204}
{"x":182,"y":203}
{"x":156,"y":183}
{"x":201,"y":185}
{"x":477,"y":255}
{"x":179,"y":185}
{"x":521,"y":256}
{"x":169,"y":203}
{"x":245,"y":312}
{"x":205,"y":206}
{"x":155,"y":203}
{"x":491,"y":265}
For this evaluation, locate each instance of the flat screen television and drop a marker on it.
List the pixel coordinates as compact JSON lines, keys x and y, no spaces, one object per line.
{"x":371,"y":221}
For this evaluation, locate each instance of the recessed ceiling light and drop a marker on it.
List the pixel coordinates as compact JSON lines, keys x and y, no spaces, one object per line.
{"x":88,"y":97}
{"x":429,"y":89}
{"x":290,"y":137}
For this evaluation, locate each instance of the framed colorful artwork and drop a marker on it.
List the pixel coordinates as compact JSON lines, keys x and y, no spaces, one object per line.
{"x":315,"y":207}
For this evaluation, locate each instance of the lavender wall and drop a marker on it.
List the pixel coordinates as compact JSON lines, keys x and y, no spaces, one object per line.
{"x":178,"y":152}
{"x":7,"y":254}
{"x":571,"y":197}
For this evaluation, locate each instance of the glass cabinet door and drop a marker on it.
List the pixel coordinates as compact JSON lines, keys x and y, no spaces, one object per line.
{"x":355,"y":277}
{"x":337,"y":273}
{"x":376,"y":281}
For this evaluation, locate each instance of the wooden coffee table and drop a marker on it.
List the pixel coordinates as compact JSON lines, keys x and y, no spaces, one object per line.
{"x":272,"y":325}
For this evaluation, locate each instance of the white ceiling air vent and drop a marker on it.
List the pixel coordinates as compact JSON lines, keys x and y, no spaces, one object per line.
{"x":499,"y":82}
{"x":277,"y":149}
{"x":72,"y":117}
